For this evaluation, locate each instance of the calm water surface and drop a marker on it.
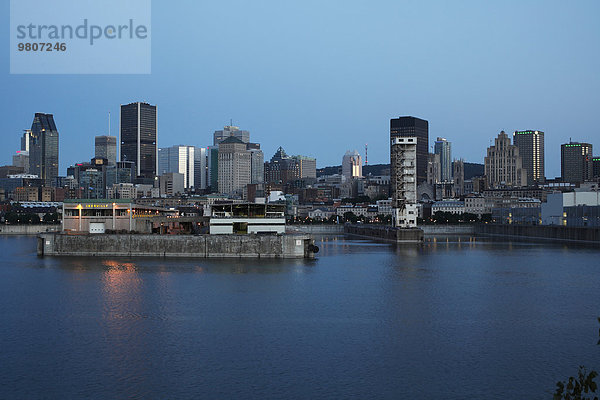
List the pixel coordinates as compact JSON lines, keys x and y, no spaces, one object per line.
{"x":447,"y":320}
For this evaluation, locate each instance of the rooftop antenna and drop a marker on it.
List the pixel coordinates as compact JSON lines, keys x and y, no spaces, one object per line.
{"x":109,"y":123}
{"x":231,"y":122}
{"x":367,"y":154}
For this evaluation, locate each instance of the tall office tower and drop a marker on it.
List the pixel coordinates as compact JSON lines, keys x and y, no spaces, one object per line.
{"x":444,"y":149}
{"x":190,"y":161}
{"x":434,"y":169}
{"x":138,"y":138}
{"x":352,"y":164}
{"x":458,"y":178}
{"x":596,"y":167}
{"x":308,"y":166}
{"x":576,"y":164}
{"x":235,"y":167}
{"x":403,"y":171}
{"x":106,"y":147}
{"x":123,"y":172}
{"x":414,"y":127}
{"x":504,"y":165}
{"x":25,"y":139}
{"x":229,"y":131}
{"x":200,"y":168}
{"x":531,"y":150}
{"x":257,"y":165}
{"x":21,"y":160}
{"x":282,"y":168}
{"x":213,"y":168}
{"x":43,"y":148}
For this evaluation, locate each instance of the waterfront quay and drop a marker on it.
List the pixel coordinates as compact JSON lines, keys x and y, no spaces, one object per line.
{"x":193,"y":246}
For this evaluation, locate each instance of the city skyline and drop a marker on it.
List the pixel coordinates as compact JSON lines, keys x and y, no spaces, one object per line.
{"x":346,"y":80}
{"x":93,"y":139}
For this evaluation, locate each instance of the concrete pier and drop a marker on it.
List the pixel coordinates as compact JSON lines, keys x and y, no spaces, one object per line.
{"x":575,"y":234}
{"x":31,"y":230}
{"x":383,"y":232}
{"x":195,"y":246}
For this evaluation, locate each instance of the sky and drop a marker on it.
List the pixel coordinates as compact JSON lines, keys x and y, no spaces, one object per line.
{"x":323,"y":77}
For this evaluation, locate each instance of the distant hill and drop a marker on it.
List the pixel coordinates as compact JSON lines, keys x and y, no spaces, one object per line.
{"x":471,"y":170}
{"x":375,"y":170}
{"x":329,"y":170}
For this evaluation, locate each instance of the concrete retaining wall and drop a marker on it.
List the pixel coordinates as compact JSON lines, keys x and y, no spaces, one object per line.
{"x":28,"y":229}
{"x":199,"y":246}
{"x":542,"y":232}
{"x":448,"y":229}
{"x":406,"y":235}
{"x":333,"y":229}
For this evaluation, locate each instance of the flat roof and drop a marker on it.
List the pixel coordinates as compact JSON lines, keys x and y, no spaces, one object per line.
{"x":102,"y":201}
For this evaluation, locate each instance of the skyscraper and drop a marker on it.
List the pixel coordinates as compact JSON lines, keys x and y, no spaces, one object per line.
{"x":190,"y":161}
{"x":235,"y":168}
{"x":25,"y":140}
{"x":257,"y":164}
{"x":138,"y":137}
{"x":352,"y":164}
{"x":531,"y":150}
{"x":444,"y":149}
{"x":21,"y":160}
{"x":213,"y":168}
{"x":576,"y":164}
{"x":308,"y":166}
{"x":503,"y":164}
{"x":106,"y":147}
{"x":43,"y":148}
{"x":418,"y":128}
{"x":596,"y":167}
{"x":403,"y":163}
{"x":229,"y":131}
{"x":283,"y":169}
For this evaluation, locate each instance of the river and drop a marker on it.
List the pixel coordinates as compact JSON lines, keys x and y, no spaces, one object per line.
{"x":446,"y":320}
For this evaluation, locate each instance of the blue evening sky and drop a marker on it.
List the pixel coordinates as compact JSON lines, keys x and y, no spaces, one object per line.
{"x":322,"y":77}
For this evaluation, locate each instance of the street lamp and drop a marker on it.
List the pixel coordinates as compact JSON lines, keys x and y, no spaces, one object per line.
{"x":79,"y":207}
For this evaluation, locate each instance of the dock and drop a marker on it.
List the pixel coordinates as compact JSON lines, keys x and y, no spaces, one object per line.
{"x":192,"y":246}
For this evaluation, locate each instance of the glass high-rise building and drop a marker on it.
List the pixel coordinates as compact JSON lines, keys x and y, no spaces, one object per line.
{"x":531,"y":150}
{"x":414,"y":127}
{"x":596,"y":167}
{"x":43,"y":148}
{"x":352,"y":164}
{"x":213,"y":168}
{"x":229,"y":131}
{"x":443,"y":148}
{"x":106,"y":147}
{"x":576,"y":162}
{"x":190,"y":161}
{"x":25,"y":139}
{"x":138,"y":138}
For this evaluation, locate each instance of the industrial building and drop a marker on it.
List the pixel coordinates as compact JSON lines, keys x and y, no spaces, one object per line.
{"x":404,"y":181}
{"x":245,"y":218}
{"x":100,"y":215}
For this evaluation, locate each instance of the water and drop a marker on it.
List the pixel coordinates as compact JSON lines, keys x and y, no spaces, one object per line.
{"x":365,"y":320}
